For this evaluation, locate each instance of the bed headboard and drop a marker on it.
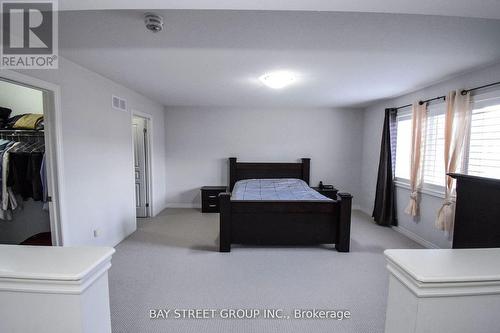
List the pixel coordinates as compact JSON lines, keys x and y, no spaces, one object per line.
{"x":246,"y":170}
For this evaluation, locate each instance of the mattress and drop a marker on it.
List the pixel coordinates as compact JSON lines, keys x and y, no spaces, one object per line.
{"x":275,"y":189}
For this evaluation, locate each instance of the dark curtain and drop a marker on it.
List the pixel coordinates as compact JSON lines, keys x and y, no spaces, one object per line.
{"x":384,"y":210}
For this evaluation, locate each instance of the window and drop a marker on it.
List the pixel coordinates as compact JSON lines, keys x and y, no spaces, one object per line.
{"x":403,"y":145}
{"x":482,"y":150}
{"x":433,"y":150}
{"x":483,"y":155}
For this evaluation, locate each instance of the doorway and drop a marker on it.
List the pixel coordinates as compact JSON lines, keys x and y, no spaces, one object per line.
{"x":28,"y":131}
{"x":141,"y":128}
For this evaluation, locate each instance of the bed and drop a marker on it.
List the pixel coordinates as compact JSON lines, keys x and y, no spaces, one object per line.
{"x":250,"y":214}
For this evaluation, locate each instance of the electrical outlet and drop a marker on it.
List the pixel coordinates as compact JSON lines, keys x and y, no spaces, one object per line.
{"x":96,"y":233}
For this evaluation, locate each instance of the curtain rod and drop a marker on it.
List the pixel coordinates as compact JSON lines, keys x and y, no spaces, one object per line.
{"x":421,"y":102}
{"x":432,"y":99}
{"x":402,"y":107}
{"x":465,"y":91}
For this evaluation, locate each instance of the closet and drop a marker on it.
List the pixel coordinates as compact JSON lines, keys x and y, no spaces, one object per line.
{"x":24,"y":213}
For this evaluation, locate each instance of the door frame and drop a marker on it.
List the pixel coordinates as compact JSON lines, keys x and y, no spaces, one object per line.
{"x":53,"y":149}
{"x":149,"y":156}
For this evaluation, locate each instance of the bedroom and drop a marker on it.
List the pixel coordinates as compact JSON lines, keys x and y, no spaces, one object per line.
{"x":201,"y":86}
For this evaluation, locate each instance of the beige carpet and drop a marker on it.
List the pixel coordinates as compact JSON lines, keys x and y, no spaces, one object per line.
{"x":171,"y":262}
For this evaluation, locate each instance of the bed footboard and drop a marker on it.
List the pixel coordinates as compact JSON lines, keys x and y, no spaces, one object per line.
{"x":285,"y":222}
{"x":225,"y":222}
{"x":343,"y":241}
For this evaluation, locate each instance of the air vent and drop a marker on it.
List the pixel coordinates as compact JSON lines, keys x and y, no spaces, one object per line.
{"x":119,"y":103}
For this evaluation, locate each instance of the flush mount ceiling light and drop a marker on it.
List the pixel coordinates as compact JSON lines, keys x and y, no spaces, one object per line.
{"x":278,"y":80}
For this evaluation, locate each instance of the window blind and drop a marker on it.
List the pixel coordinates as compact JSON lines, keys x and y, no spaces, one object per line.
{"x":484,"y":147}
{"x":433,"y":168}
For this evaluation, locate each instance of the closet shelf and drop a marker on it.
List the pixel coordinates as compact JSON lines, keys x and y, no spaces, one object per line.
{"x":22,"y":132}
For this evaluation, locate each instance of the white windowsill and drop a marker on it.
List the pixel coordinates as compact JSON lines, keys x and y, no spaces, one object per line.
{"x":431,"y":190}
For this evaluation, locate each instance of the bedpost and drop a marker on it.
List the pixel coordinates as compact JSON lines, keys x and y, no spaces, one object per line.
{"x":344,"y":225}
{"x":232,"y":173}
{"x":225,"y":222}
{"x":306,"y":162}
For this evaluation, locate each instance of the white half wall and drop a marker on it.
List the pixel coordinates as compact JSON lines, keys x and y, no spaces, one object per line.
{"x":423,"y":227}
{"x":97,"y":155}
{"x":200,"y":140}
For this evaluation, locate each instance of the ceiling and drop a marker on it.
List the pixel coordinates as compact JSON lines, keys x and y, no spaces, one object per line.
{"x":214,"y":57}
{"x":464,"y":8}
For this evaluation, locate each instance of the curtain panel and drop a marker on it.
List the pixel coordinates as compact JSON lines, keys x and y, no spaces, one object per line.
{"x":419,"y":125}
{"x":384,"y":208}
{"x":457,"y":127}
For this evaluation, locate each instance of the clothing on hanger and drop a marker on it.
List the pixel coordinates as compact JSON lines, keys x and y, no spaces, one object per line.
{"x":22,"y":172}
{"x":43,"y":177}
{"x":9,"y":201}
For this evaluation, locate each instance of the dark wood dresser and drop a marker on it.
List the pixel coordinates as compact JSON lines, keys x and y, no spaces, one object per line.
{"x":210,"y":198}
{"x":477,"y":214}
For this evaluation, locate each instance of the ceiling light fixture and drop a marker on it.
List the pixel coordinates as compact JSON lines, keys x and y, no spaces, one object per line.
{"x":278,"y":79}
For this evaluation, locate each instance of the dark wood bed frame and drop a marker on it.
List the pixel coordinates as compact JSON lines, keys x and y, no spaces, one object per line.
{"x":263,"y":222}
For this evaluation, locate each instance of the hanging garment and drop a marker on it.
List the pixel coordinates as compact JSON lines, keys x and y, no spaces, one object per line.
{"x":33,"y":176}
{"x":4,"y":144}
{"x":24,"y":174}
{"x":3,"y":149}
{"x":9,"y":201}
{"x":43,"y":177}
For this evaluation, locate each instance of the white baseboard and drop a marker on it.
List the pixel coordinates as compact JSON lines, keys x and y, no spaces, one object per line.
{"x":183,"y":205}
{"x":415,"y":237}
{"x":361,"y":209}
{"x":411,"y":235}
{"x":158,"y":211}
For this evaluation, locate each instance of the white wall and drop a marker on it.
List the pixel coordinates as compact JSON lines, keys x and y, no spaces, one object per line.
{"x":20,"y":99}
{"x":372,"y":132}
{"x":199,"y":141}
{"x":97,"y":155}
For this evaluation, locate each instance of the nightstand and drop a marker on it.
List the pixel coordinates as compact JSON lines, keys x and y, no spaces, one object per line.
{"x":329,"y":193}
{"x":210,"y":198}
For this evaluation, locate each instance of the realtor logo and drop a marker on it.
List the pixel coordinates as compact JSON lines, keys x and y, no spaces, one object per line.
{"x":29,"y":35}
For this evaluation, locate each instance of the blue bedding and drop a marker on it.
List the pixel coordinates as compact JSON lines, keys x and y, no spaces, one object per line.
{"x":275,"y":189}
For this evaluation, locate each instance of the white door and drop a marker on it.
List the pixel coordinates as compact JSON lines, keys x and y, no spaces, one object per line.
{"x":140,"y":165}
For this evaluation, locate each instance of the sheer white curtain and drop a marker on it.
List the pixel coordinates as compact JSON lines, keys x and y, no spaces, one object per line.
{"x":457,"y":128}
{"x":419,"y":124}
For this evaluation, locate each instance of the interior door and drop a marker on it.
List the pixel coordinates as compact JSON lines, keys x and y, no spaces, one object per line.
{"x":140,"y":166}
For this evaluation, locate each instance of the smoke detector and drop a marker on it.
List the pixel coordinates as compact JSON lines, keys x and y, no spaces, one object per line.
{"x":153,"y":22}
